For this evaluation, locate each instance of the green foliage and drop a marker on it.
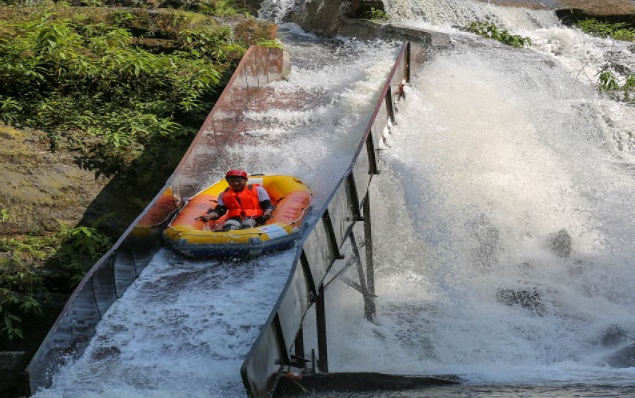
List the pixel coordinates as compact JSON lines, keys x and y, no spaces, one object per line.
{"x":79,"y":249}
{"x":73,"y":250}
{"x":608,"y":81}
{"x":614,"y":30}
{"x":375,"y":14}
{"x":18,"y":284}
{"x":4,"y":215}
{"x":88,"y":241}
{"x":219,"y":8}
{"x":491,"y":31}
{"x":610,"y":84}
{"x":269,"y":43}
{"x":201,"y":43}
{"x":9,"y":110}
{"x":85,"y":82}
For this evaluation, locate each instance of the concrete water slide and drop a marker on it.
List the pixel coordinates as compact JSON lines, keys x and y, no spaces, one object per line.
{"x":325,"y":235}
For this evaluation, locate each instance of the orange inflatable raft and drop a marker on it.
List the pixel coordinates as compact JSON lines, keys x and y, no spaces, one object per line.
{"x":196,"y":238}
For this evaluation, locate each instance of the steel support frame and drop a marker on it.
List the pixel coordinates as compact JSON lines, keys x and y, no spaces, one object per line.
{"x":366,"y":282}
{"x":320,"y":314}
{"x":369,"y":300}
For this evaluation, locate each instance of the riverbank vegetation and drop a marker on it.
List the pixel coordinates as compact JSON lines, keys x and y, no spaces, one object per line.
{"x":614,"y":30}
{"x":91,"y":84}
{"x":124,"y":90}
{"x":620,"y":87}
{"x":491,"y":31}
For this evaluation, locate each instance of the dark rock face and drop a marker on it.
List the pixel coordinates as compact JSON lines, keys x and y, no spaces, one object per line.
{"x":321,"y":17}
{"x":612,"y":336}
{"x":527,"y":298}
{"x":361,"y":8}
{"x":332,"y":18}
{"x":12,"y":364}
{"x":624,"y":358}
{"x":613,"y":11}
{"x":560,"y":243}
{"x":40,"y":187}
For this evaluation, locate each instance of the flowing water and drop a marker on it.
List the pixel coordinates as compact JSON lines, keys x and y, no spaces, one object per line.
{"x":499,"y":156}
{"x":184,"y":327}
{"x":497,"y":152}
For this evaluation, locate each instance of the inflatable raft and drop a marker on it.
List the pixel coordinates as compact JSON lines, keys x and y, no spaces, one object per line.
{"x":195,"y":238}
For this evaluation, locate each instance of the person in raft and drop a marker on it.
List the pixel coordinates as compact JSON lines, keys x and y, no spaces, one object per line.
{"x":246,"y":205}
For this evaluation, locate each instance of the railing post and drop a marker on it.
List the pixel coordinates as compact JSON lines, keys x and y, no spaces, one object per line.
{"x":92,"y":288}
{"x":390,"y":106}
{"x":369,"y":301}
{"x":304,"y":262}
{"x":368,"y":239}
{"x":134,"y":264}
{"x":299,"y":347}
{"x":372,"y":154}
{"x":407,"y":55}
{"x":330,"y":230}
{"x":114,"y":274}
{"x":354,"y":197}
{"x":284,"y":355}
{"x":320,"y":314}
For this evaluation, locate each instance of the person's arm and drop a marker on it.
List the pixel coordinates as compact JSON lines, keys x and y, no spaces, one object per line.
{"x":220,"y":208}
{"x":265,"y":202}
{"x":218,"y":211}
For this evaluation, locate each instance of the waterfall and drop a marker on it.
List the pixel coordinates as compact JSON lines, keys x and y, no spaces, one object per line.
{"x":460,"y":13}
{"x":503,"y":216}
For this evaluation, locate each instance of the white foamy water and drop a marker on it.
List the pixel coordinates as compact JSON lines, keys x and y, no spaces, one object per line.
{"x":461,"y":13}
{"x":495,"y":151}
{"x":583,"y":56}
{"x":318,"y":112}
{"x":184,"y":327}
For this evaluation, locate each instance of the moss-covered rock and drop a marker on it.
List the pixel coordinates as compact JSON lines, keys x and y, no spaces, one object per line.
{"x":41,"y":188}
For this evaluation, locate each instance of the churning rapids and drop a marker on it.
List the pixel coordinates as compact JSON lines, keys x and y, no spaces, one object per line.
{"x":506,"y":240}
{"x":184,"y":327}
{"x":497,"y":154}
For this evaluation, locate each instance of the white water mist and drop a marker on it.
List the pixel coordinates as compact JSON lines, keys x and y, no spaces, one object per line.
{"x":496,"y":151}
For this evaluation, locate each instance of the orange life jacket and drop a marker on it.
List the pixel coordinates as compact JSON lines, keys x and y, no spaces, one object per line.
{"x":244,"y":203}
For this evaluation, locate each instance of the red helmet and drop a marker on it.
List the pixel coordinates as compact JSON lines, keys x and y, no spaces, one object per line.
{"x":236,"y":173}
